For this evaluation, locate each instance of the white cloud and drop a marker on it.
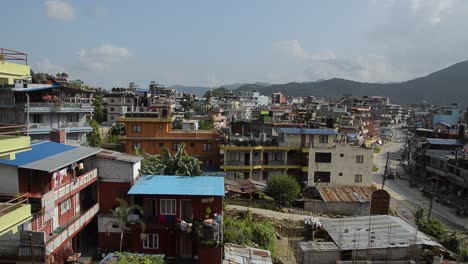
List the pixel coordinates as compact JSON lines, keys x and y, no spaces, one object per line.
{"x":102,"y":57}
{"x":432,"y":11}
{"x":45,"y":65}
{"x":60,"y":10}
{"x":294,"y":48}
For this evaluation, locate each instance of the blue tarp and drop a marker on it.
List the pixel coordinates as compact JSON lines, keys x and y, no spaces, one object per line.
{"x":179,"y":185}
{"x":38,"y":151}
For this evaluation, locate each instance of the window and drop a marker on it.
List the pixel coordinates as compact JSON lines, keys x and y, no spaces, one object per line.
{"x":128,"y":100}
{"x":323,"y":157}
{"x":167,"y":206}
{"x":175,"y":146}
{"x":37,"y":118}
{"x":112,"y":101}
{"x":129,"y":108}
{"x":359,"y":159}
{"x":112,"y":109}
{"x":151,"y":241}
{"x":341,"y":155}
{"x":358,"y":178}
{"x":323,"y":138}
{"x":277,"y":156}
{"x":111,"y":117}
{"x":192,"y":145}
{"x":340,"y":174}
{"x":136,"y":129}
{"x":136,"y":145}
{"x":73,"y":118}
{"x":65,"y":206}
{"x":161,"y":145}
{"x":234,"y":156}
{"x":207,"y":147}
{"x":322,"y":176}
{"x":149,"y":208}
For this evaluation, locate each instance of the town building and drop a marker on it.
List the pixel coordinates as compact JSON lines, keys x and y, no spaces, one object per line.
{"x":278,"y":98}
{"x":152,"y":132}
{"x":379,"y":239}
{"x":60,"y":182}
{"x":12,"y":71}
{"x":181,"y":222}
{"x":121,"y":101}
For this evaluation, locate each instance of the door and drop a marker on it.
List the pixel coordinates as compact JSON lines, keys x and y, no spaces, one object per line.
{"x":185,"y":246}
{"x":186,"y":210}
{"x":247,"y":159}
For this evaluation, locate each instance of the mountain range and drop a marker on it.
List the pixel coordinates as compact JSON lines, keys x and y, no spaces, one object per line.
{"x":443,"y":87}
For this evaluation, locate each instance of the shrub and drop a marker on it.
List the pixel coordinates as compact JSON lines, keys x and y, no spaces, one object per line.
{"x":283,"y":188}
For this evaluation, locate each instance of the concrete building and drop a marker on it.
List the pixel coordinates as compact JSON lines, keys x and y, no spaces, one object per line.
{"x":378,"y":239}
{"x":152,"y":132}
{"x":10,"y":70}
{"x":183,"y":218}
{"x":48,"y":107}
{"x":60,"y":183}
{"x":119,"y":102}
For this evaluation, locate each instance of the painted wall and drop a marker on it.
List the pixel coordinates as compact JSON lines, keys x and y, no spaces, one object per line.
{"x":345,"y":165}
{"x":9,"y":178}
{"x":11,"y":71}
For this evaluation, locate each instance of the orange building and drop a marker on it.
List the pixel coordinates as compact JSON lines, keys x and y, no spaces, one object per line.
{"x":152,"y":133}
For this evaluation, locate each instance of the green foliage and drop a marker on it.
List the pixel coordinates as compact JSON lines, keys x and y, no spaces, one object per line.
{"x":206,"y":124}
{"x":207,"y":213}
{"x":94,"y":137}
{"x":114,"y":132}
{"x":121,"y":214}
{"x":249,"y":232}
{"x":167,"y":164}
{"x":283,"y":188}
{"x":215,"y":92}
{"x":128,"y":258}
{"x":99,"y":106}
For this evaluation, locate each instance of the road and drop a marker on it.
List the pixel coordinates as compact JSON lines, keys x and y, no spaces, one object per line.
{"x":404,"y":198}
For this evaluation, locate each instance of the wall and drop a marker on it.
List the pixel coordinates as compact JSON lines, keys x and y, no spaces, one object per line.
{"x":108,"y":191}
{"x":12,"y":71}
{"x":346,"y":165}
{"x":114,"y":170}
{"x":340,"y":208}
{"x":9,"y":178}
{"x":322,"y":257}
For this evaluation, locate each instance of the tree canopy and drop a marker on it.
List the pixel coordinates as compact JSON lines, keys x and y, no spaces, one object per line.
{"x":128,"y":258}
{"x":283,"y":188}
{"x":178,"y":163}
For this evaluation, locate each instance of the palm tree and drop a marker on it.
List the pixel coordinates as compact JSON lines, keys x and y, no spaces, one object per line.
{"x":121,"y":216}
{"x":167,"y":164}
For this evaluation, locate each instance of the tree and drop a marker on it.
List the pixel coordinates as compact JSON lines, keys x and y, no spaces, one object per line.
{"x":128,"y":258}
{"x":99,"y":105}
{"x":167,"y":164}
{"x":121,"y":215}
{"x":114,"y":131}
{"x":283,"y":188}
{"x":94,"y":137}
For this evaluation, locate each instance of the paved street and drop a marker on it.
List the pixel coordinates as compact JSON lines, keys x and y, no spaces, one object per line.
{"x":404,"y":198}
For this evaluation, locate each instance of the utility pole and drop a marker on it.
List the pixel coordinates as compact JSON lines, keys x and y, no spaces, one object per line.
{"x":384,"y":176}
{"x":436,"y":187}
{"x":31,"y":245}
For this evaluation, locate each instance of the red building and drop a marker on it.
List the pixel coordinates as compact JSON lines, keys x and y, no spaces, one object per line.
{"x":61,"y":184}
{"x":183,"y":218}
{"x":278,"y":98}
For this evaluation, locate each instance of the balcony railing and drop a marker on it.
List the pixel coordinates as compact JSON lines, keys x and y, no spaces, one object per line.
{"x":71,"y":229}
{"x":76,"y":185}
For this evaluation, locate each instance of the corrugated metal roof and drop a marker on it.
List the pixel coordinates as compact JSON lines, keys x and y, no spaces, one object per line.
{"x":55,"y":162}
{"x":346,"y":193}
{"x":245,"y":186}
{"x":308,"y":131}
{"x":378,"y":231}
{"x":237,"y":254}
{"x":179,"y":185}
{"x":39,"y":150}
{"x":442,"y":141}
{"x":114,"y":155}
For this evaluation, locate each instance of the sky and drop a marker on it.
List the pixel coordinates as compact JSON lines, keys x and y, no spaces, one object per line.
{"x":109,"y":43}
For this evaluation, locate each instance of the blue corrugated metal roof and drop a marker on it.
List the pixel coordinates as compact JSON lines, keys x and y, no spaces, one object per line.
{"x":38,"y":151}
{"x":442,"y":141}
{"x":179,"y":185}
{"x":308,"y":131}
{"x":36,"y":88}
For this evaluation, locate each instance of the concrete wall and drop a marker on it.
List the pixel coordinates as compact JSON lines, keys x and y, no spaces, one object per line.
{"x":9,"y":179}
{"x":322,"y":257}
{"x":115,"y":171}
{"x":12,"y":71}
{"x":394,"y":254}
{"x":346,"y":165}
{"x":340,"y":208}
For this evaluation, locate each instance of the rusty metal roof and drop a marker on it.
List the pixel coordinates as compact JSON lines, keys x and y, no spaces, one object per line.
{"x":244,"y":186}
{"x":345,"y":193}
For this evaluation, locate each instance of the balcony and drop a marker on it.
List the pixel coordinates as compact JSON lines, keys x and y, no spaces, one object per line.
{"x":77,"y":184}
{"x":46,"y":107}
{"x":13,"y":213}
{"x":70,"y":230}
